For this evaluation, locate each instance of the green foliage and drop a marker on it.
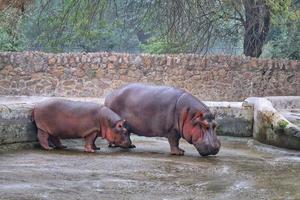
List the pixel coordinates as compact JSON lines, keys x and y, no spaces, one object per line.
{"x":156,"y":47}
{"x":78,"y":26}
{"x":284,"y":37}
{"x":282,"y":9}
{"x":286,"y":43}
{"x":161,"y":46}
{"x":11,"y":37}
{"x":282,"y":124}
{"x":166,"y":27}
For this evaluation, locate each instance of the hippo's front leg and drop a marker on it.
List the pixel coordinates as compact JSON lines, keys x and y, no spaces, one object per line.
{"x":90,"y":142}
{"x":94,"y":145}
{"x":173,"y":139}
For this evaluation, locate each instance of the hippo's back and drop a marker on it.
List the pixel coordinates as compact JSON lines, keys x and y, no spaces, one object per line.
{"x":59,"y":116}
{"x":149,"y":110}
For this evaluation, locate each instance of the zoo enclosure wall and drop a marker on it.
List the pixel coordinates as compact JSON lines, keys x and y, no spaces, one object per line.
{"x":217,"y":78}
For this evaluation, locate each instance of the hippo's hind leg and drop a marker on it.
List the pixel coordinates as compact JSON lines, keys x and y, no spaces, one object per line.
{"x":56,"y":142}
{"x":89,"y":142}
{"x":43,"y":139}
{"x":173,"y":139}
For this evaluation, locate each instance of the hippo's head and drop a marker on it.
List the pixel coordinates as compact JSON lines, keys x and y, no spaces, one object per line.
{"x":199,"y":130}
{"x":119,"y":135}
{"x":114,"y":129}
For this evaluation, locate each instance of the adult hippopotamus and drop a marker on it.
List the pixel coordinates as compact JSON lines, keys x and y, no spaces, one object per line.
{"x":159,"y":111}
{"x":64,"y":119}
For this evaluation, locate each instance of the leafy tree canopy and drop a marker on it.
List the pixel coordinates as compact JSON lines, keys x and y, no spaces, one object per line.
{"x":252,"y":27}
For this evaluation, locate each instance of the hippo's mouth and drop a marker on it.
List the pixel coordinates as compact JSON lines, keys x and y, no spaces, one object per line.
{"x":131,"y":146}
{"x":205,"y":150}
{"x":124,"y":146}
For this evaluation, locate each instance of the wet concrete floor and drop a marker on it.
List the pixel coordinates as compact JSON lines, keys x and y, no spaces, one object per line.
{"x":242,"y":170}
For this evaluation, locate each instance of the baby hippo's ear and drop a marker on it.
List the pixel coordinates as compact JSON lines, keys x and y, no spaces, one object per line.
{"x":120,"y":124}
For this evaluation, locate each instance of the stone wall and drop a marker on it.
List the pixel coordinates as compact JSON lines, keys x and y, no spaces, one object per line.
{"x":15,"y":124}
{"x":95,"y":74}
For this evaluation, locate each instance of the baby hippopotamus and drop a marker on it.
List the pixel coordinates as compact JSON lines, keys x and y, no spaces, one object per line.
{"x":67,"y":119}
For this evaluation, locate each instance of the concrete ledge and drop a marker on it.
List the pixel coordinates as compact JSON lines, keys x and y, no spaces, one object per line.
{"x":16,"y":126}
{"x":270,"y":126}
{"x":288,"y":107}
{"x":285,"y":102}
{"x":233,"y":118}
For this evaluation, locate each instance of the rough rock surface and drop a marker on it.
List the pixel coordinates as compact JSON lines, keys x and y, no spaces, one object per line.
{"x":213,"y":78}
{"x":270,"y":126}
{"x":15,"y":124}
{"x":233,"y":118}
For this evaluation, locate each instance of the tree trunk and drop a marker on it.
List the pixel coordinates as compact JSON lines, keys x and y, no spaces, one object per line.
{"x":142,"y":36}
{"x":18,"y":4}
{"x":256,"y":24}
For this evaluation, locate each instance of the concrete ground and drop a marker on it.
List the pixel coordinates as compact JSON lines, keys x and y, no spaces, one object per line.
{"x":242,"y":170}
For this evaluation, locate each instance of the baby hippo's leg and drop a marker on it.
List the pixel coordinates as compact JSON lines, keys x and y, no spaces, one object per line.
{"x":43,"y":139}
{"x":56,"y":142}
{"x":89,"y":142}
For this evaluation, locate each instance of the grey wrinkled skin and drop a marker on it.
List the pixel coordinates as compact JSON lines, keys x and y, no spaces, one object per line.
{"x":160,"y":111}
